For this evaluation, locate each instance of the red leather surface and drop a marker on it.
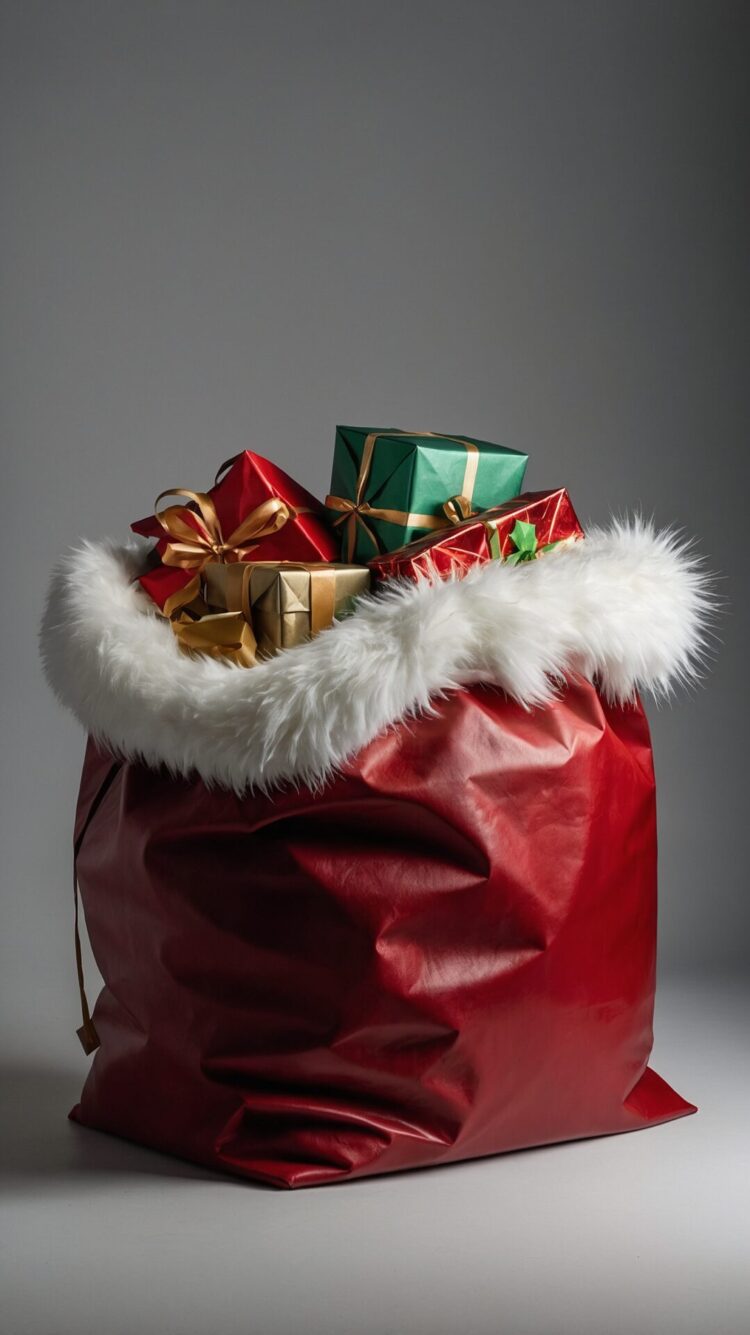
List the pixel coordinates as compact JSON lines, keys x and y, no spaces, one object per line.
{"x":447,"y":953}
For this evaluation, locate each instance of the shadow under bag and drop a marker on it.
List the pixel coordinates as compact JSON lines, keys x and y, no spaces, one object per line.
{"x":442,"y":950}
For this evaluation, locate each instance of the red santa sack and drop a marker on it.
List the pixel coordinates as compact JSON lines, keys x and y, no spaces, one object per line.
{"x":387,"y":900}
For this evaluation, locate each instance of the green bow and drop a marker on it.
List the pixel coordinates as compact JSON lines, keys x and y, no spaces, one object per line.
{"x":525,"y":541}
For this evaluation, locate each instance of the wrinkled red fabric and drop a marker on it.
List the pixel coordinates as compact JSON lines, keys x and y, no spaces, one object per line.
{"x":446,"y":953}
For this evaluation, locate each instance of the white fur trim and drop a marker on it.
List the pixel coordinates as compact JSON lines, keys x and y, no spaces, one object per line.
{"x":627,"y":606}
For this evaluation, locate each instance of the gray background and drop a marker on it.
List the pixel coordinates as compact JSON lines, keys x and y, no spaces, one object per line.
{"x":230,"y":225}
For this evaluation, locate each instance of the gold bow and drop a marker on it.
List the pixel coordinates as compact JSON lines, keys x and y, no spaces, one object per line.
{"x":221,"y":635}
{"x":457,"y":509}
{"x":355,"y":513}
{"x":191,"y":545}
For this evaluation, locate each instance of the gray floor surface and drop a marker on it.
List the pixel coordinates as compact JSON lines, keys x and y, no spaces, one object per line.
{"x":646,"y":1233}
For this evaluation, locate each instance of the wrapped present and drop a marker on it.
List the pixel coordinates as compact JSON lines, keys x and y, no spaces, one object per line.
{"x":252,"y":507}
{"x":520,"y":530}
{"x":389,"y":486}
{"x":285,"y":602}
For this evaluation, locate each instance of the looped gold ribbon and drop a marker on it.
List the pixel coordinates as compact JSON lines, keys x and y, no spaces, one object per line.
{"x":220,"y":635}
{"x":356,"y":513}
{"x":353,"y":515}
{"x":191,"y":545}
{"x":457,"y":509}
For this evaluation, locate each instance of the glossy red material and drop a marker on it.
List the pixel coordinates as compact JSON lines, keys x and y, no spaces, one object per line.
{"x":453,"y":551}
{"x":250,"y":481}
{"x":447,"y":953}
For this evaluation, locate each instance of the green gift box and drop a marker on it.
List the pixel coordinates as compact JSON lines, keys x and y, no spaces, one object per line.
{"x":389,"y":487}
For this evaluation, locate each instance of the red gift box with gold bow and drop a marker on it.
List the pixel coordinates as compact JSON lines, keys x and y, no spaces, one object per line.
{"x":253,"y":507}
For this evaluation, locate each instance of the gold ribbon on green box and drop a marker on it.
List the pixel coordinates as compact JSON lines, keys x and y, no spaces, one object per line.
{"x":357,"y":511}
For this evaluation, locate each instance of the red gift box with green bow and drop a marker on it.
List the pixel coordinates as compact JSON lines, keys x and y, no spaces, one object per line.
{"x":516,"y":532}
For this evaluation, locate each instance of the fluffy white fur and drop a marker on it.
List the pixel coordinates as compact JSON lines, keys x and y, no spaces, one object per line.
{"x":628,"y":606}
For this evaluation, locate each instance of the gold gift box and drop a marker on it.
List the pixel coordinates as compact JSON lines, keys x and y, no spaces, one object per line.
{"x":285,"y":602}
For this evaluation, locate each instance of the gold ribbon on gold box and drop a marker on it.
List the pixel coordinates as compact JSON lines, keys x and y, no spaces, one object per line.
{"x":285,"y":602}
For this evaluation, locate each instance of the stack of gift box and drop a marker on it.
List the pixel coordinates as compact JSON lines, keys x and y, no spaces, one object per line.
{"x":256,"y":564}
